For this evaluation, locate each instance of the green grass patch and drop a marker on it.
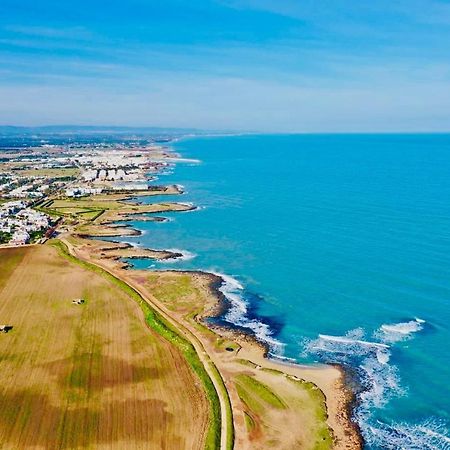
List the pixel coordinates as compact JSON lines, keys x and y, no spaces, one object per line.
{"x":226,"y":344}
{"x":256,"y":391}
{"x":172,"y":289}
{"x":324,"y":438}
{"x":272,"y":371}
{"x":62,"y":172}
{"x":9,"y":260}
{"x":246,"y":362}
{"x":249,"y":422}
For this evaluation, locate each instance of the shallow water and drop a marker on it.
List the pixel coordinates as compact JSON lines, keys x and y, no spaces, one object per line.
{"x":339,"y":250}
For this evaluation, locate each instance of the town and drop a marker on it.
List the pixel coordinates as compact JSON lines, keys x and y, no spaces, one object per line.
{"x":32,"y":176}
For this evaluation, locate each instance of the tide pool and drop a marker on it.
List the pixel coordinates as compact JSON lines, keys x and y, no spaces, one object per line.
{"x":338,"y":249}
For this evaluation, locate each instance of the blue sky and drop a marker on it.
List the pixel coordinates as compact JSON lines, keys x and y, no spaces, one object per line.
{"x":262,"y":65}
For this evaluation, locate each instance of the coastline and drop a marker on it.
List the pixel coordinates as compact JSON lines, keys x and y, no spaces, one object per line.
{"x":339,"y":398}
{"x":329,"y":379}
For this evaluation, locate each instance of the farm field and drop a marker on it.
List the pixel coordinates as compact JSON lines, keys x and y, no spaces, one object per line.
{"x":70,"y":172}
{"x":91,"y":375}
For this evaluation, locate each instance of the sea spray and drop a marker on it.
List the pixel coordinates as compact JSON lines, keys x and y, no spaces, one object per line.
{"x":185,"y":256}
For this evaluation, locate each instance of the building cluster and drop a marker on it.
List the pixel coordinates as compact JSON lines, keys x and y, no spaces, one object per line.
{"x":79,"y":191}
{"x":31,"y":190}
{"x":119,"y":174}
{"x":20,"y":222}
{"x":107,"y":166}
{"x":16,"y":186}
{"x":115,"y":170}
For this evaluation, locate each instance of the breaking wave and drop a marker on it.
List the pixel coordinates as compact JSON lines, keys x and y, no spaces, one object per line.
{"x":238,"y":314}
{"x":185,"y":256}
{"x":397,"y":332}
{"x":379,"y":382}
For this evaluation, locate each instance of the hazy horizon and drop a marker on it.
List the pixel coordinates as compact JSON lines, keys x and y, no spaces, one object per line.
{"x":77,"y":128}
{"x":242,"y":65}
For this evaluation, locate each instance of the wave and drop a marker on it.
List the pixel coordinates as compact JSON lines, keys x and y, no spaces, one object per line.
{"x":238,"y":314}
{"x":185,"y":256}
{"x":345,"y":340}
{"x":379,"y":381}
{"x":190,"y":205}
{"x":399,"y":331}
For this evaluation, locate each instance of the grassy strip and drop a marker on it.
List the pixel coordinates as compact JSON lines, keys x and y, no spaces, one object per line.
{"x":49,"y":211}
{"x":165,"y":329}
{"x":249,"y":422}
{"x":172,"y":290}
{"x":100,"y":212}
{"x":260,"y":390}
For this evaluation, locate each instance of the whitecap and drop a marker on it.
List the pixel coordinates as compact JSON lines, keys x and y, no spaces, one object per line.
{"x":401,"y":331}
{"x":378,"y":378}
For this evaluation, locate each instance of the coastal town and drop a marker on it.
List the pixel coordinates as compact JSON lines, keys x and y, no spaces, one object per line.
{"x":31,"y":176}
{"x":21,"y":224}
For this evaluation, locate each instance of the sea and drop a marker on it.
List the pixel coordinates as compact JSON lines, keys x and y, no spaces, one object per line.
{"x":333,"y":249}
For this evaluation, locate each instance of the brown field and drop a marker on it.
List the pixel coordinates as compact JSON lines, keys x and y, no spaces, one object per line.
{"x":87,"y":376}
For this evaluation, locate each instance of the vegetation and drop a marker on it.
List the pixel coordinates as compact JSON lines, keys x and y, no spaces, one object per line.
{"x":249,"y":422}
{"x":60,"y":173}
{"x":4,"y":237}
{"x":70,"y":208}
{"x":178,"y":292}
{"x":36,"y":235}
{"x":256,"y":394}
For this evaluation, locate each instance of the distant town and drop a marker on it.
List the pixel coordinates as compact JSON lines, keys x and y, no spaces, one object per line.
{"x":31,"y":176}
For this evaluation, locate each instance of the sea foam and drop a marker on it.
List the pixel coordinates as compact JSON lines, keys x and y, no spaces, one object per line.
{"x":380,"y":381}
{"x":397,"y":332}
{"x":429,"y":435}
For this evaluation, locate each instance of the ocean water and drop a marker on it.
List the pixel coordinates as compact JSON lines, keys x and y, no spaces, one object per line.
{"x":336,"y":248}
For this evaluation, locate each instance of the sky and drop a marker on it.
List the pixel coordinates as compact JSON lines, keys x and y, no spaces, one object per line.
{"x":250,"y":65}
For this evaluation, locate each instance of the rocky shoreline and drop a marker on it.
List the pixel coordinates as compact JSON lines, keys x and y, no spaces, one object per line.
{"x":345,"y":398}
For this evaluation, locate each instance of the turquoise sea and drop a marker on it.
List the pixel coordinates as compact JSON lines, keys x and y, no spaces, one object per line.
{"x":335,"y":248}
